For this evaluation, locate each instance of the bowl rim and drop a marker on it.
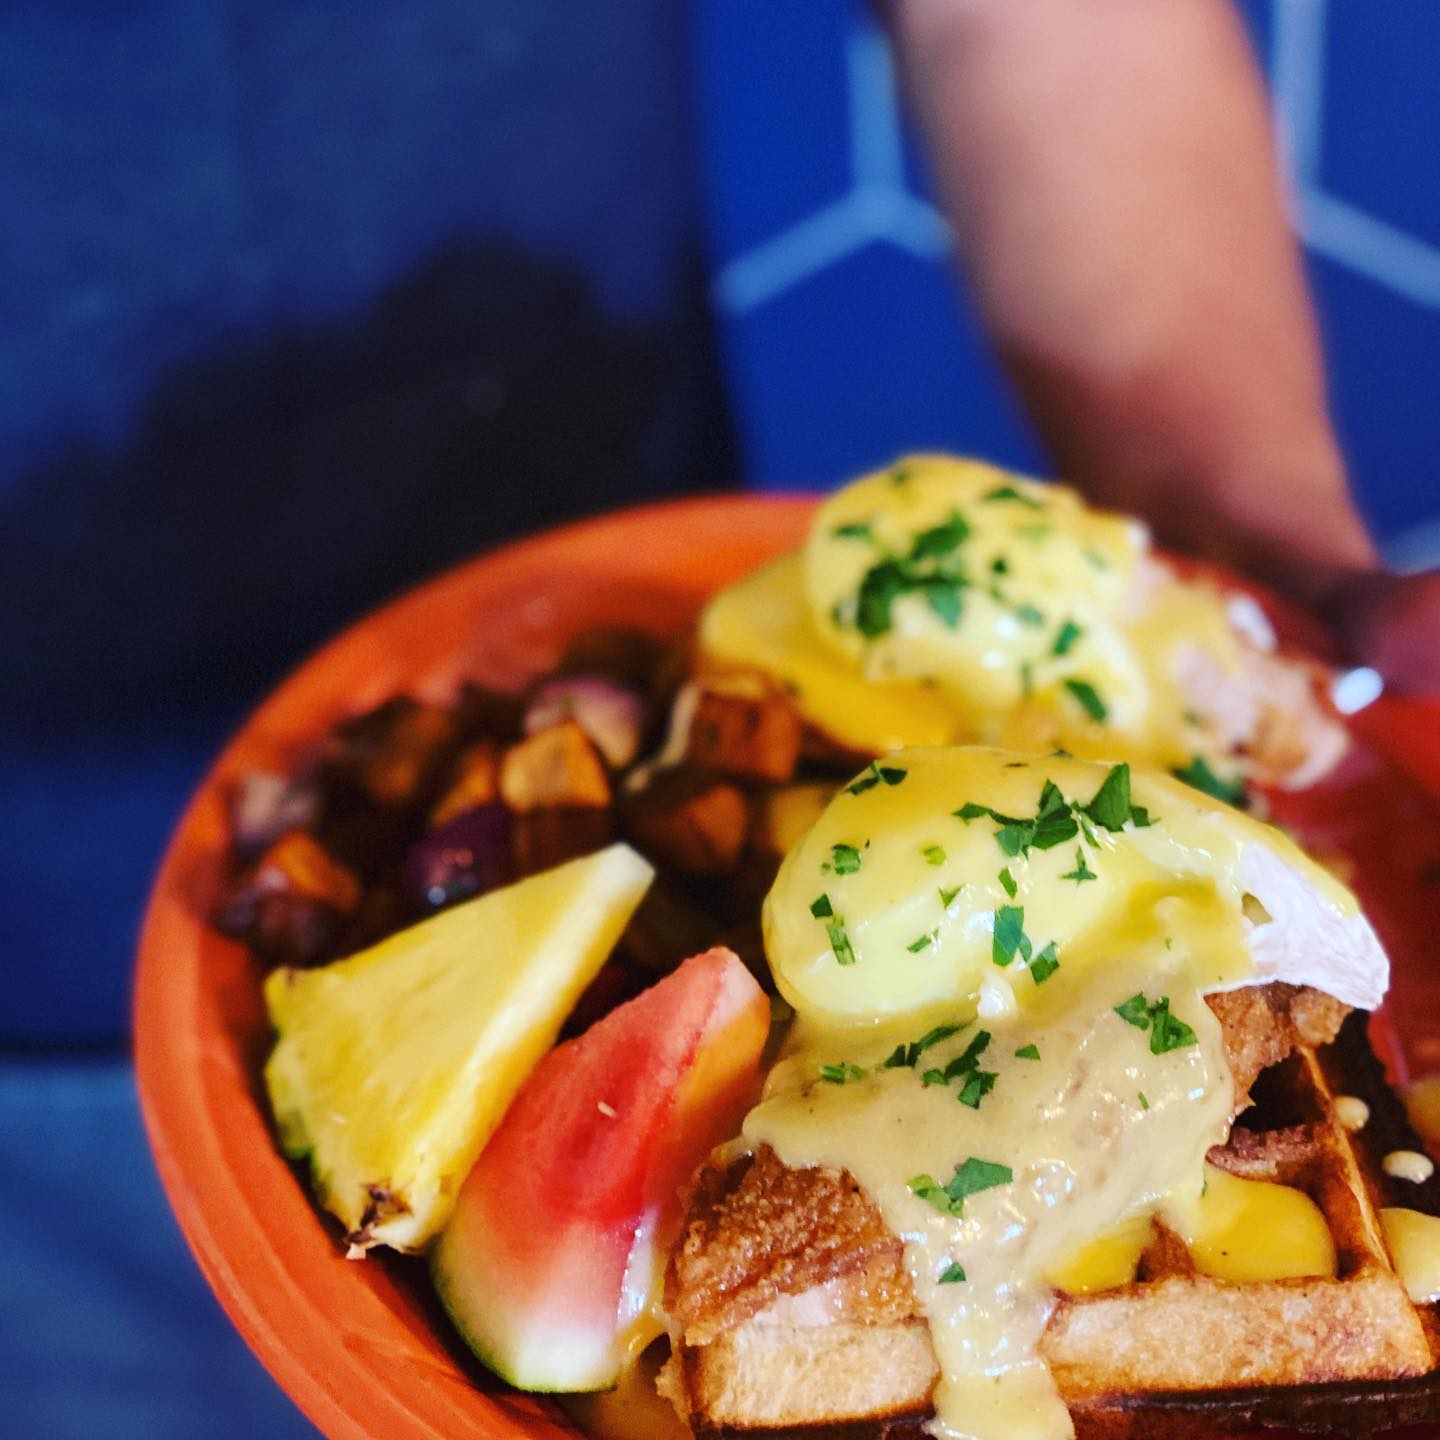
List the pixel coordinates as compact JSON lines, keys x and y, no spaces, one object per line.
{"x":189,"y":1079}
{"x":235,"y":1198}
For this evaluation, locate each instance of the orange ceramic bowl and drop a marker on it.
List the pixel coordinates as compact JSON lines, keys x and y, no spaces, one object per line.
{"x":362,"y":1347}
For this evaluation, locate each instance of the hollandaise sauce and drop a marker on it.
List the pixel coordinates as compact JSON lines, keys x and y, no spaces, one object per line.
{"x":944,"y":600}
{"x":998,"y":964}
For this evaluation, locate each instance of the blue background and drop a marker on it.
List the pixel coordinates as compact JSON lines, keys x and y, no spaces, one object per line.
{"x":301,"y":302}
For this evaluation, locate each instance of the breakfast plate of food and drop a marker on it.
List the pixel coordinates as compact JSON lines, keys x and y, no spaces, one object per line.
{"x":917,"y":962}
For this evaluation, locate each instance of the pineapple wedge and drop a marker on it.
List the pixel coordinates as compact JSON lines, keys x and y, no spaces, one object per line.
{"x":394,"y":1066}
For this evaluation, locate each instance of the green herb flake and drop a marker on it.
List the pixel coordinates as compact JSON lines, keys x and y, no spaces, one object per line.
{"x":1065,"y":637}
{"x":908,"y":1054}
{"x":946,"y":896}
{"x":1135,"y":1011}
{"x":970,"y":1178}
{"x":1009,"y":935}
{"x":1028,"y":1052}
{"x":1082,"y":871}
{"x":845,"y":859}
{"x":999,"y":566}
{"x":821,"y":908}
{"x":968,"y":1058}
{"x":942,"y":539}
{"x":934,"y":854}
{"x":933,"y":1077}
{"x":921,"y":942}
{"x":1009,"y":492}
{"x":977,"y":1086}
{"x":1199,"y":775}
{"x":840,"y":943}
{"x":1008,"y":881}
{"x":1088,"y":697}
{"x":840,"y":1072}
{"x":1111,"y":808}
{"x":1144,"y":1103}
{"x":1027,"y":680}
{"x":1044,"y":965}
{"x":1029,"y":615}
{"x":928,"y":1189}
{"x":855,"y":530}
{"x":952,"y":1274}
{"x":1167,"y":1032}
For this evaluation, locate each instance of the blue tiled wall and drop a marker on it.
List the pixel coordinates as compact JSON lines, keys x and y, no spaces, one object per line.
{"x":844,"y":341}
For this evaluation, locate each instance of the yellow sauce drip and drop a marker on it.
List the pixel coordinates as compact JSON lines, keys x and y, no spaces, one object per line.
{"x":1251,"y":1230}
{"x":1096,"y":1130}
{"x":1075,"y":599}
{"x":1413,"y":1240}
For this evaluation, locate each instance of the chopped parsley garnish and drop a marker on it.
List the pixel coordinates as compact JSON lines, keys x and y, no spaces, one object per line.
{"x":1082,"y":871}
{"x":1052,"y":824}
{"x":1088,"y":697}
{"x":1009,"y":492}
{"x":1067,"y":635}
{"x":921,"y":942}
{"x":1044,"y":965}
{"x":1027,"y":679}
{"x":941,"y":539}
{"x":1167,"y":1032}
{"x":999,"y":566}
{"x":840,"y":942}
{"x":877,"y":774}
{"x":1111,"y":807}
{"x":977,"y":1086}
{"x":946,"y":896}
{"x":1009,"y":935}
{"x":952,"y":1274}
{"x":1028,"y":1052}
{"x":1203,"y":778}
{"x":969,"y":1179}
{"x":1008,"y":881}
{"x":889,"y":580}
{"x":908,"y":1054}
{"x":1029,"y":615}
{"x":821,"y":908}
{"x":1135,"y":1011}
{"x":839,"y":1073}
{"x":934,"y":854}
{"x":855,"y":530}
{"x":1144,"y":1103}
{"x":845,"y":859}
{"x":968,"y":1058}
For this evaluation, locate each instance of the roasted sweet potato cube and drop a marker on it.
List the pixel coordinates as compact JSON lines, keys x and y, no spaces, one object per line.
{"x":544,"y":838}
{"x":754,"y":736}
{"x":689,"y":822}
{"x":552,"y":769}
{"x":475,"y":781}
{"x":393,"y":753}
{"x":294,"y":903}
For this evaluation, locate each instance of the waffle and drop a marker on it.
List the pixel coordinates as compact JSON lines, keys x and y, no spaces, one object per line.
{"x":1175,"y":1353}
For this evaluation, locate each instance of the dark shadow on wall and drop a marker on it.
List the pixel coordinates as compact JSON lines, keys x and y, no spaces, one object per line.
{"x":275,"y":492}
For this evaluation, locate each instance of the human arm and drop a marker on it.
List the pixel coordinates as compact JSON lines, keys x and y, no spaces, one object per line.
{"x":1108,"y":171}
